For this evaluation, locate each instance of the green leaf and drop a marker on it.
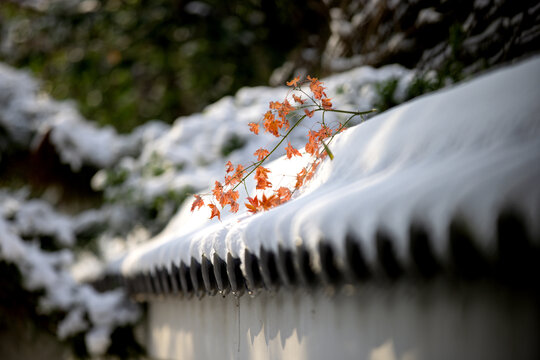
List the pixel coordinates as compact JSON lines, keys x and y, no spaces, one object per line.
{"x":328,"y":151}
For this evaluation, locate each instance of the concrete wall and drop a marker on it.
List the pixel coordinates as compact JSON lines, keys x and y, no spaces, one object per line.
{"x":399,"y":322}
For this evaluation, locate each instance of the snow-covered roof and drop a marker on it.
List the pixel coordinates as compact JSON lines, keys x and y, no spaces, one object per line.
{"x":411,"y":190}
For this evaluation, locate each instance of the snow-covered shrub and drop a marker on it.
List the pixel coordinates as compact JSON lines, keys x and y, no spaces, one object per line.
{"x":82,"y":310}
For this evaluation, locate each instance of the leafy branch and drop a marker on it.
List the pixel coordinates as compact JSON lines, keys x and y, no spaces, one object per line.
{"x":274,"y":121}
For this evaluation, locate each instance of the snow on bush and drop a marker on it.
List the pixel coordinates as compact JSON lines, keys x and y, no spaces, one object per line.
{"x":28,"y":115}
{"x":22,"y":223}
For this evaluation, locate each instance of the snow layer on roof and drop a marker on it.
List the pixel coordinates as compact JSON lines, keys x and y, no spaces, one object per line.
{"x":467,"y":152}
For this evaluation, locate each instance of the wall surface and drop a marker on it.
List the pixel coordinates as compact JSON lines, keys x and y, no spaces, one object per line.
{"x":439,"y":321}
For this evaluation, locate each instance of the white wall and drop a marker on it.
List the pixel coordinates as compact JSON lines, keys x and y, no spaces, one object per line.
{"x":398,"y":322}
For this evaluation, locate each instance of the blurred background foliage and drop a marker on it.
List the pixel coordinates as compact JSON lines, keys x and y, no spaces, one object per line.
{"x":127,"y":61}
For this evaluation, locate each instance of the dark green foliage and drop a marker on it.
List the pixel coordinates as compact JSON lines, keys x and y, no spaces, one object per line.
{"x":422,"y":85}
{"x":456,"y":36}
{"x":450,"y":71}
{"x":128,"y":61}
{"x":453,"y":67}
{"x":385,"y":91}
{"x":116,"y":176}
{"x":164,"y":206}
{"x":156,"y":166}
{"x":234,"y":143}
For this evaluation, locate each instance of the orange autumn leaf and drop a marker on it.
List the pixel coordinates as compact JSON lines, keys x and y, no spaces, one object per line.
{"x":261,"y":172}
{"x":222,"y":201}
{"x":318,"y":92}
{"x":217,"y":190}
{"x":198,"y":203}
{"x":239,"y":170}
{"x":309,"y":113}
{"x":270,"y":124}
{"x":237,"y":177}
{"x":253,"y":206}
{"x":215,"y":211}
{"x":324,"y":133}
{"x":270,"y":202}
{"x":228,"y":198}
{"x":253,"y":127}
{"x":291,"y":151}
{"x":263,"y":184}
{"x":298,"y":99}
{"x":300,"y":178}
{"x":234,"y":207}
{"x":312,"y":146}
{"x":316,"y":88}
{"x":261,"y":154}
{"x":274,"y":105}
{"x":286,"y":107}
{"x":311,"y":172}
{"x":283,"y":109}
{"x":284,"y":194}
{"x":232,"y":195}
{"x":293,"y":82}
{"x":326,"y":104}
{"x":285,"y":124}
{"x":229,"y":167}
{"x":261,"y":176}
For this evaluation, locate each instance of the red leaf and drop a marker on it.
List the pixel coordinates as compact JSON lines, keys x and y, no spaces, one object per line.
{"x":229,"y":167}
{"x":215,"y":211}
{"x":197,"y":203}
{"x":298,"y":99}
{"x":293,"y":82}
{"x":253,"y":127}
{"x":260,"y":154}
{"x":291,"y":151}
